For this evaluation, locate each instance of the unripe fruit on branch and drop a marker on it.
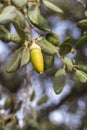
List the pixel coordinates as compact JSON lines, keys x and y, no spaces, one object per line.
{"x":37,"y":58}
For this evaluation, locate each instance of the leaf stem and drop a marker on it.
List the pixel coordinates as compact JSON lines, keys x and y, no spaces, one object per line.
{"x":61,"y":58}
{"x":26,"y":44}
{"x":28,"y":84}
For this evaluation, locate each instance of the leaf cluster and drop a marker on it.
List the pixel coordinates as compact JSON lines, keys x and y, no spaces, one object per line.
{"x":13,"y":12}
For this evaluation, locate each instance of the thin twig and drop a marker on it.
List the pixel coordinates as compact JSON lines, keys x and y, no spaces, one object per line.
{"x":61,"y":58}
{"x":28,"y":84}
{"x":29,"y":23}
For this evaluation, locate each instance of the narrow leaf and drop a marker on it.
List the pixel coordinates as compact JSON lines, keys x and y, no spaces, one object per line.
{"x":52,"y":7}
{"x":59,"y":80}
{"x":42,"y":100}
{"x":8,"y":103}
{"x":17,"y":106}
{"x":7,"y":15}
{"x":19,"y":3}
{"x":19,"y":30}
{"x":16,"y":39}
{"x":68,"y":63}
{"x":14,"y":62}
{"x":65,"y":49}
{"x":4,"y":34}
{"x":53,"y":38}
{"x":25,"y":57}
{"x":20,"y":24}
{"x":48,"y":61}
{"x":32,"y":96}
{"x":82,"y":76}
{"x":82,"y":24}
{"x":20,"y":19}
{"x":85,"y":13}
{"x":82,"y":67}
{"x":37,"y":19}
{"x":47,"y":47}
{"x":81,"y":41}
{"x":67,"y":40}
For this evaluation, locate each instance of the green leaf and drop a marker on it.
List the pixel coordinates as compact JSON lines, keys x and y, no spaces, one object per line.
{"x":19,"y":30}
{"x":42,"y":100}
{"x":37,"y":19}
{"x":11,"y":126}
{"x":1,"y":121}
{"x":20,"y":24}
{"x":20,"y":19}
{"x":82,"y":76}
{"x":1,"y":7}
{"x":85,"y":13}
{"x":82,"y":24}
{"x":17,"y":106}
{"x":59,"y":80}
{"x":32,"y":96}
{"x":53,"y":38}
{"x":52,"y":7}
{"x":8,"y":103}
{"x":67,"y":40}
{"x":7,"y":15}
{"x":14,"y":62}
{"x":68,"y":63}
{"x":81,"y":41}
{"x":82,"y":67}
{"x":4,"y":34}
{"x":65,"y":49}
{"x":25,"y":57}
{"x":19,"y":3}
{"x":48,"y":61}
{"x":47,"y":47}
{"x":32,"y":124}
{"x":16,"y":39}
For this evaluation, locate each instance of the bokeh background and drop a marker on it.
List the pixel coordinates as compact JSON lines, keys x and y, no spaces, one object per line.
{"x":67,"y":110}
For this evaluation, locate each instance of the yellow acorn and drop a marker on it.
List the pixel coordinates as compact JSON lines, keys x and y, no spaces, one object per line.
{"x":37,"y":58}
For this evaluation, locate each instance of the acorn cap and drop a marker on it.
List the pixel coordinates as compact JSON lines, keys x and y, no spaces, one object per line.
{"x":34,"y":46}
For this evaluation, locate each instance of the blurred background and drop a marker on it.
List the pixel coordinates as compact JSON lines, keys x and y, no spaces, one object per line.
{"x":65,"y":111}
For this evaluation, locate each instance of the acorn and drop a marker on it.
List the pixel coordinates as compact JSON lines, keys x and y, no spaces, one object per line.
{"x":37,"y":57}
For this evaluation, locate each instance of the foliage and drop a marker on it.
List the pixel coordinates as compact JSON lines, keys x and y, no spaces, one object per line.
{"x":25,"y":15}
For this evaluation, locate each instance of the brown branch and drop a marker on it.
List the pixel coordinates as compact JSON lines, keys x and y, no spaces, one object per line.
{"x":30,"y":24}
{"x":61,"y":58}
